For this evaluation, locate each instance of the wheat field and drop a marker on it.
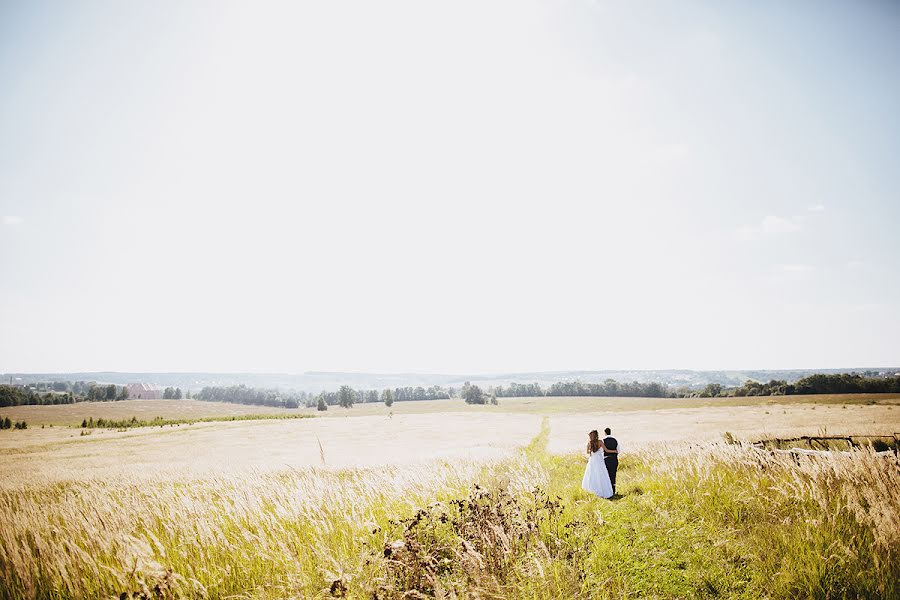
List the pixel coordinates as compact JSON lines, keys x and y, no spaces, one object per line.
{"x":73,"y":414}
{"x":450,"y":506}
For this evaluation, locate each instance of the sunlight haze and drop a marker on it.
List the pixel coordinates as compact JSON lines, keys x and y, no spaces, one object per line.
{"x":448,"y":188}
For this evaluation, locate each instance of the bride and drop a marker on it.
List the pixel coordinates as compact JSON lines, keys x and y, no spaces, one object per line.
{"x":596,"y":478}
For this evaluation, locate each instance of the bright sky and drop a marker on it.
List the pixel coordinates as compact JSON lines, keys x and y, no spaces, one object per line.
{"x":457,"y":187}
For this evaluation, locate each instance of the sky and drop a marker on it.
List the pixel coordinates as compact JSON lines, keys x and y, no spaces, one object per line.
{"x":458,"y":187}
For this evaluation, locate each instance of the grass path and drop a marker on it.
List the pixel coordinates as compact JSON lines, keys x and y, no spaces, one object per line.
{"x":714,"y":528}
{"x":639,"y":544}
{"x":709,"y":521}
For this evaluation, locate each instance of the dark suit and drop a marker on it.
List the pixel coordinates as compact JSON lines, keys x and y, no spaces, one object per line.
{"x":611,"y":459}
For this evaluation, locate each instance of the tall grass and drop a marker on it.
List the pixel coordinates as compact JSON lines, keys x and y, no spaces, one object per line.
{"x":714,"y":520}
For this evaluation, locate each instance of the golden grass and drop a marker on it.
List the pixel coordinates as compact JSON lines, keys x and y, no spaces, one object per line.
{"x":202,"y":450}
{"x":696,"y":519}
{"x":566,"y":404}
{"x":277,"y":532}
{"x":144,"y":410}
{"x":73,"y":414}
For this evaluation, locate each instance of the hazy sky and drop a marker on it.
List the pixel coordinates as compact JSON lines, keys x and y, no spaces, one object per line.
{"x":454,"y":187}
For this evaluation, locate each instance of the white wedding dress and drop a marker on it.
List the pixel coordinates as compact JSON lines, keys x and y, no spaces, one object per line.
{"x":596,"y":477}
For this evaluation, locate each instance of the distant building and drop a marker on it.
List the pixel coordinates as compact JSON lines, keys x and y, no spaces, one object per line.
{"x":144,"y":391}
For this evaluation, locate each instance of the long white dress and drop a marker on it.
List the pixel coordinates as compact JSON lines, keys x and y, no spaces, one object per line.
{"x":596,"y":477}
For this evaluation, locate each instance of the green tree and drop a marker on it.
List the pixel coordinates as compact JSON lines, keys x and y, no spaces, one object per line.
{"x":387,"y":396}
{"x":472,"y":394}
{"x":321,"y":404}
{"x":712,"y":390}
{"x":177,"y":394}
{"x":346,"y":396}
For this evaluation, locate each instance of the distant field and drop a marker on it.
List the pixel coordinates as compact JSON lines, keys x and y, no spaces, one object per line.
{"x":548,"y":405}
{"x":73,"y":414}
{"x":458,"y":432}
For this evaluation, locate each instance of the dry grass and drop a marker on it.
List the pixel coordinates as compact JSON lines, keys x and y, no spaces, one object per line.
{"x":560,"y":405}
{"x":637,"y":429}
{"x":695,"y":520}
{"x":202,"y":450}
{"x":214,"y":449}
{"x":290,"y":531}
{"x":144,"y":410}
{"x":73,"y":414}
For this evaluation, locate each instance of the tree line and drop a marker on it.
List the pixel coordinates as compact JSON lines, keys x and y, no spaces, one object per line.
{"x":346,"y":396}
{"x":820,"y":383}
{"x":610,"y":387}
{"x":241,"y":394}
{"x":19,"y":396}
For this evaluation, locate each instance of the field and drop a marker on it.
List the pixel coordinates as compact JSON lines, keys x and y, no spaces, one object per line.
{"x":376,"y":502}
{"x":73,"y":414}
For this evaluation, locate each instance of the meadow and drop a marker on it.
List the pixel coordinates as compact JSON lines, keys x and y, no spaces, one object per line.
{"x":468,"y":502}
{"x":73,"y":414}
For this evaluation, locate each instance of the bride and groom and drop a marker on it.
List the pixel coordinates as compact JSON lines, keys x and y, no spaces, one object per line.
{"x":600,"y":473}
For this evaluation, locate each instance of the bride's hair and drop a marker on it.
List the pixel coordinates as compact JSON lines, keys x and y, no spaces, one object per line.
{"x":594,"y":440}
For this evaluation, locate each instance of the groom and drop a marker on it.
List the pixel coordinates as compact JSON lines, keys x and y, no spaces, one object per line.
{"x":611,"y":457}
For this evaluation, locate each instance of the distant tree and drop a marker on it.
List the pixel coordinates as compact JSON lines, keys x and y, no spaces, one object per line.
{"x":177,"y":394}
{"x":123,"y":393}
{"x":346,"y":396}
{"x":494,"y":399}
{"x":321,"y":404}
{"x":168,"y":393}
{"x":387,"y":396}
{"x":241,"y":394}
{"x":111,"y":392}
{"x":21,"y":425}
{"x":188,"y":395}
{"x":711,"y":391}
{"x":472,"y":394}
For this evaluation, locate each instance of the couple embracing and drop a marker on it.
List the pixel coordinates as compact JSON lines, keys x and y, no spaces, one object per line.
{"x":600,"y":473}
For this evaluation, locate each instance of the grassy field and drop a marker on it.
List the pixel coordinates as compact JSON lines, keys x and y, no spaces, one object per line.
{"x":565,"y":404}
{"x":54,"y":454}
{"x":144,"y":410}
{"x":73,"y":414}
{"x":385,"y":505}
{"x":714,"y":520}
